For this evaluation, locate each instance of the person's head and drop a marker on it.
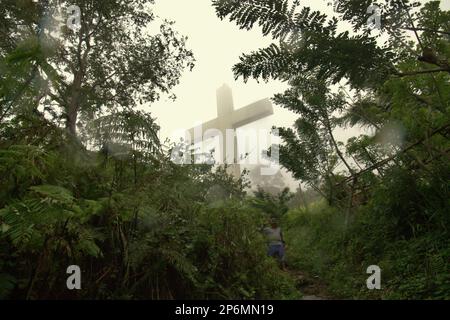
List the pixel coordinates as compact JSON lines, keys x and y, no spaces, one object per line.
{"x":273,"y":223}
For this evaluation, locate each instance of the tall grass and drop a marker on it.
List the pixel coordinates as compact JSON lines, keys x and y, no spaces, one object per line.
{"x":411,"y":268}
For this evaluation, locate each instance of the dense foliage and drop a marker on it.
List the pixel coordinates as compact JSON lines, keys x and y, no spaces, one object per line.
{"x":84,"y":179}
{"x":162,"y":236}
{"x":387,"y":190}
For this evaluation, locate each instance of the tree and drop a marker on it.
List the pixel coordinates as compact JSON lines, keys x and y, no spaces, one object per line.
{"x":330,"y":89}
{"x":112,"y":61}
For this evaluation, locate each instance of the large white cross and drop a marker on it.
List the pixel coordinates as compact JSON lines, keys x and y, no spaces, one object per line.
{"x":228,"y":118}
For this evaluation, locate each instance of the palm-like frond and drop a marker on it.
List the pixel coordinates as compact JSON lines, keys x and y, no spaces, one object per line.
{"x":364,"y":113}
{"x":134,"y":128}
{"x":270,"y":62}
{"x":275,"y":17}
{"x":308,"y":43}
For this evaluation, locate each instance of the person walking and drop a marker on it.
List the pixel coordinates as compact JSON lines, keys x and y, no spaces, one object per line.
{"x":276,"y":244}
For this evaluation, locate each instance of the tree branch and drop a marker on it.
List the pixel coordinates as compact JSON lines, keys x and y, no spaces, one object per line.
{"x":426,"y":30}
{"x":383,"y":162}
{"x":414,"y":73}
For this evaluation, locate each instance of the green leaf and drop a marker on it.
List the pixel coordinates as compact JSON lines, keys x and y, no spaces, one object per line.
{"x":56,"y":193}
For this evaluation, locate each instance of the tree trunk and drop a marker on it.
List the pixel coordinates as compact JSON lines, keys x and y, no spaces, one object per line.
{"x":327,"y":124}
{"x":74,"y":102}
{"x":73,"y":106}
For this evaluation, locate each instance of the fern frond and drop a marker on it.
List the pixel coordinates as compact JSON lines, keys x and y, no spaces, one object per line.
{"x":273,"y":16}
{"x":270,"y":62}
{"x":135,"y":128}
{"x":179,"y":261}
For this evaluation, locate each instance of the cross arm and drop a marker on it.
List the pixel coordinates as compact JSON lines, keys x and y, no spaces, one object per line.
{"x":253,"y":112}
{"x":212,"y":124}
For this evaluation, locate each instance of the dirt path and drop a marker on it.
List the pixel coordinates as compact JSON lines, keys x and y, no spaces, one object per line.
{"x":312,"y":288}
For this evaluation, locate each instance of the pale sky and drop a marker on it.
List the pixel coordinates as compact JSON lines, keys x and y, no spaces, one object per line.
{"x":217,"y":46}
